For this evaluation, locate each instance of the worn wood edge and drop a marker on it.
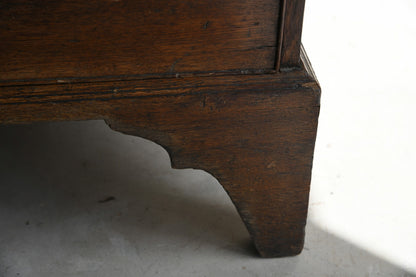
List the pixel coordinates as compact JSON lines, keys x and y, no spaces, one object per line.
{"x":26,"y":104}
{"x":307,"y":65}
{"x":133,"y":77}
{"x":42,"y":103}
{"x":103,"y":91}
{"x":130,"y":89}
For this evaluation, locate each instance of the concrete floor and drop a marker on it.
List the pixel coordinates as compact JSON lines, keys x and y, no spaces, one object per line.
{"x":55,"y":177}
{"x":162,"y":222}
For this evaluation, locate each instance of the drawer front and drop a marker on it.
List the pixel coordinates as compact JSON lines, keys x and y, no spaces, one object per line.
{"x":46,"y":41}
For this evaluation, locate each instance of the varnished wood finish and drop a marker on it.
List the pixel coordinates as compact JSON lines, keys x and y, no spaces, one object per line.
{"x":74,"y":40}
{"x":223,"y":85}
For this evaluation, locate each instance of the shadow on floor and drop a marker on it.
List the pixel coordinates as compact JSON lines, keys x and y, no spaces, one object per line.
{"x":78,"y":199}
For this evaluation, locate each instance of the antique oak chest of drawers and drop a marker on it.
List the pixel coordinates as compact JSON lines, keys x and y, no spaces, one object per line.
{"x":223,"y":85}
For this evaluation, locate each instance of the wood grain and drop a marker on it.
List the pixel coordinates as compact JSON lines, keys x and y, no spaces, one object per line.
{"x":74,"y":40}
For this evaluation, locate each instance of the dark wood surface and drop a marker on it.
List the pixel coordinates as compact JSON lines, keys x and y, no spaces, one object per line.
{"x":223,"y":85}
{"x":69,"y":40}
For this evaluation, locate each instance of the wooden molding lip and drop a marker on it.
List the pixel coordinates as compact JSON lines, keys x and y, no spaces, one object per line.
{"x":103,"y":91}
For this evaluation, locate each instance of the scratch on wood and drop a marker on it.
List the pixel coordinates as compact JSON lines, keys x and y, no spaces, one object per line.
{"x":271,"y":165}
{"x":206,"y":25}
{"x":172,"y":67}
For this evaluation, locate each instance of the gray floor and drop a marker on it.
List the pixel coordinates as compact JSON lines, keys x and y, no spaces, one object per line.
{"x":162,"y":222}
{"x":77,"y":199}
